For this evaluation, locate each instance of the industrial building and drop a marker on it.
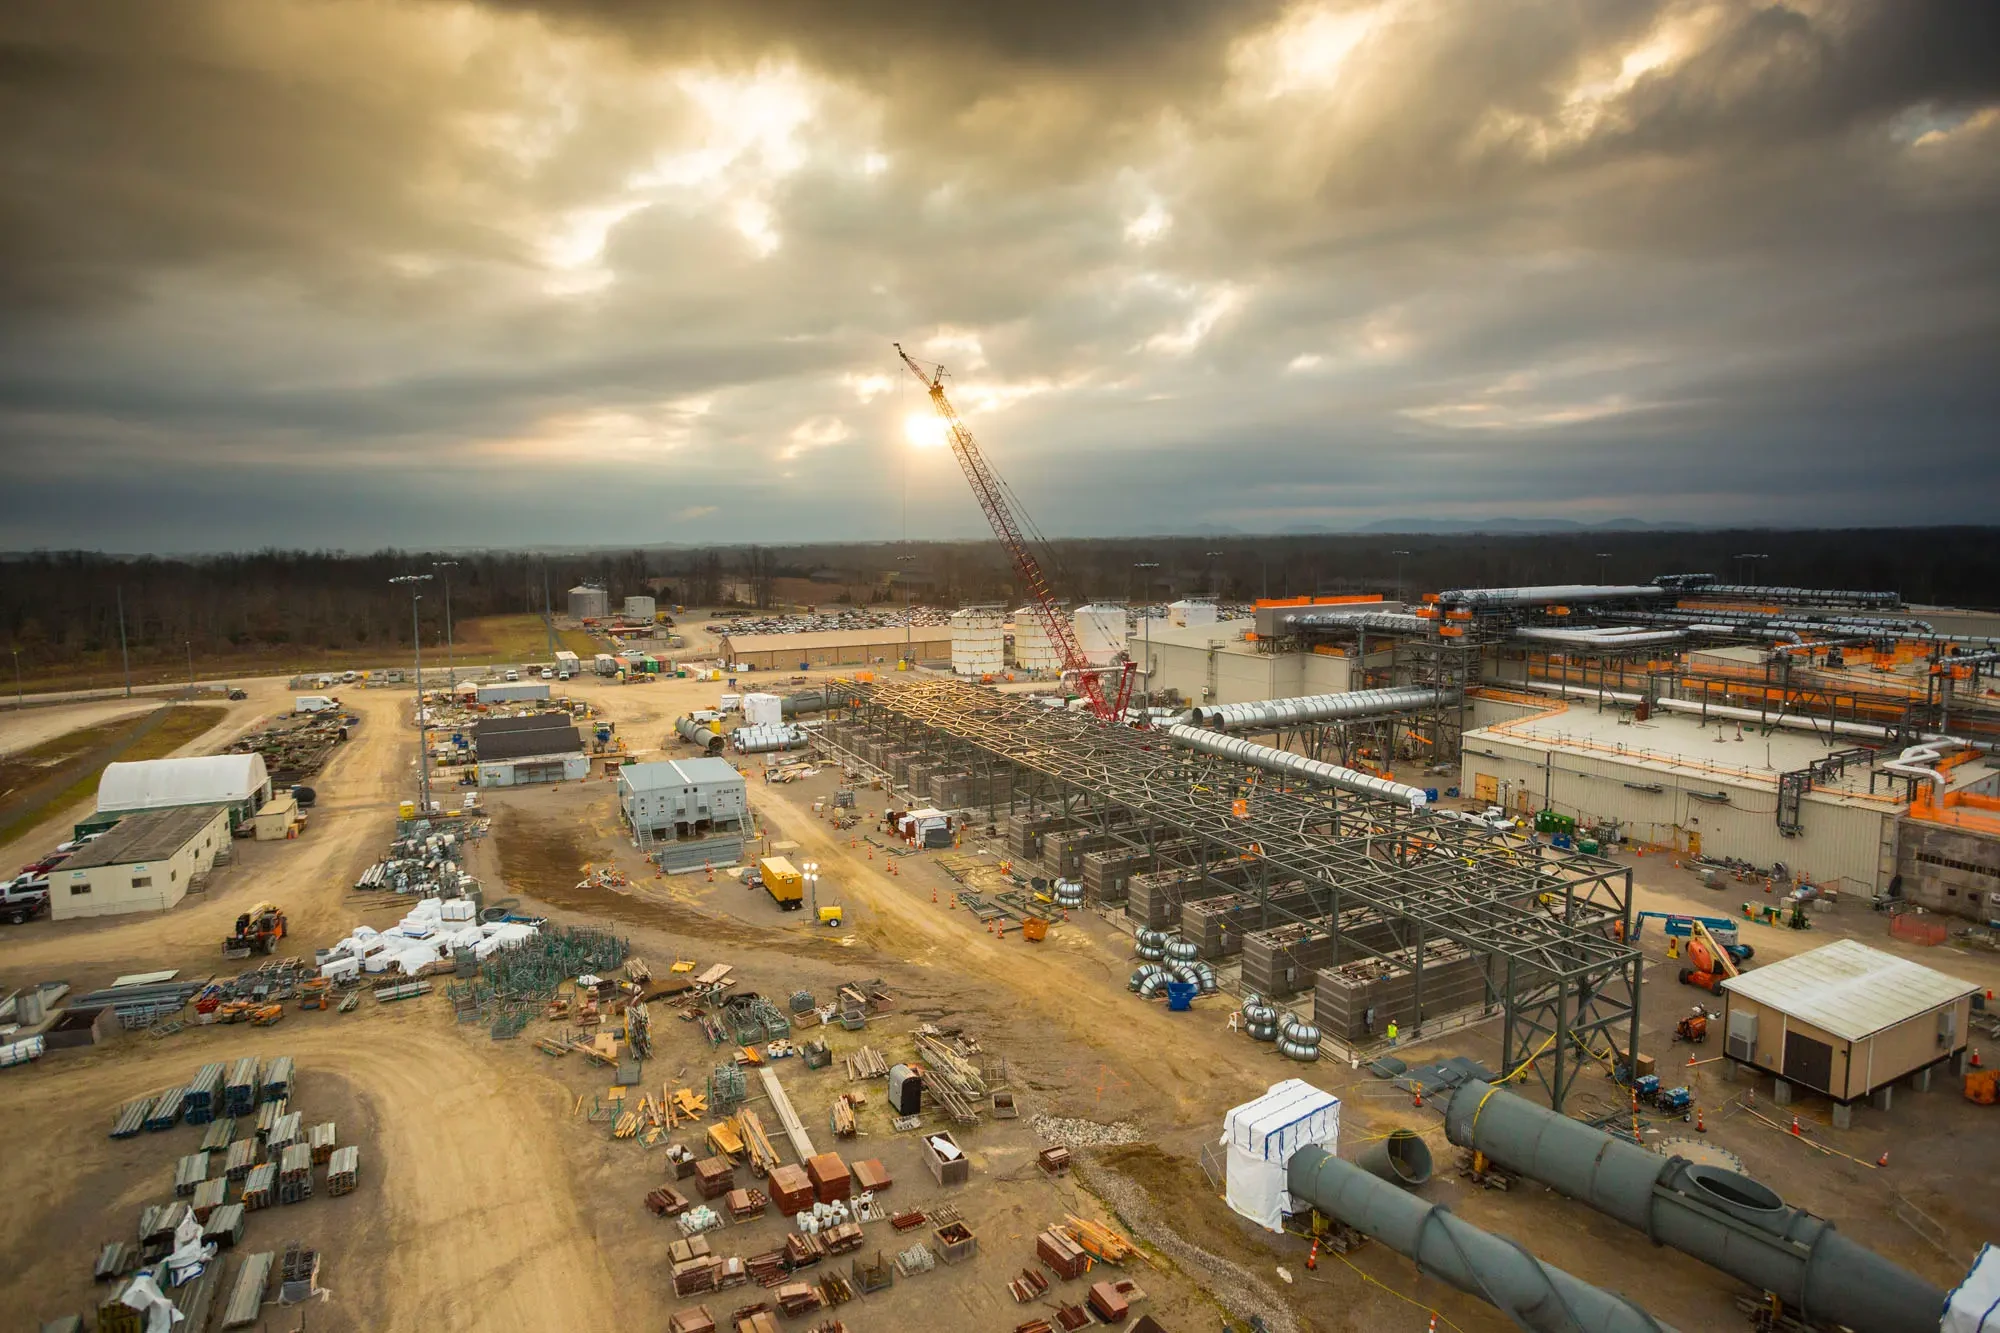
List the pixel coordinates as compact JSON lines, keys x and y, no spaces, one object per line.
{"x":1948,"y":852}
{"x":279,"y":819}
{"x":685,"y":813}
{"x":589,"y":603}
{"x":540,"y":747}
{"x":238,"y":781}
{"x":815,"y":649}
{"x":145,"y":863}
{"x":640,"y":608}
{"x":1222,"y":662}
{"x":1847,"y":1021}
{"x":512,"y":692}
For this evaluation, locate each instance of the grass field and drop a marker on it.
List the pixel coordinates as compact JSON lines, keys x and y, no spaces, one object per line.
{"x":486,"y":639}
{"x":78,"y":759}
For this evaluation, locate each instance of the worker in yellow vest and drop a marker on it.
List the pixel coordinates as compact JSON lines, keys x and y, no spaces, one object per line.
{"x":1392,"y":1032}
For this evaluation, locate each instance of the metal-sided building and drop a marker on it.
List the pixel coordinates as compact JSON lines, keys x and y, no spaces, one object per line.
{"x":1948,"y":854}
{"x":540,"y":747}
{"x":588,"y":603}
{"x":513,"y":691}
{"x":687,"y":812}
{"x":1846,"y":1020}
{"x":239,"y":781}
{"x":811,"y":650}
{"x":1215,"y":663}
{"x":144,"y":864}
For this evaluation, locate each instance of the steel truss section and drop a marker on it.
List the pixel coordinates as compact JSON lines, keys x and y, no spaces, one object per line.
{"x":1550,"y":924}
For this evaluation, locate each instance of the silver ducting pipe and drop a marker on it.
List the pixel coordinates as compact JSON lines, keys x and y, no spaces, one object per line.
{"x":1275,"y":760}
{"x":765,"y":738}
{"x":1569,"y":594}
{"x":1605,"y":638}
{"x":811,"y":701}
{"x":1799,"y":596}
{"x":1726,"y":1220}
{"x":1534,"y":1294}
{"x":1345,"y":706}
{"x":1870,"y":627}
{"x":1376,"y":622}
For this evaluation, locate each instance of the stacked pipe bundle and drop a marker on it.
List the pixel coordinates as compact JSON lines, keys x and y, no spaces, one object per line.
{"x":1152,"y":945}
{"x":1298,"y":1040}
{"x":1142,"y":974}
{"x":1069,"y":893}
{"x":1260,"y":1020}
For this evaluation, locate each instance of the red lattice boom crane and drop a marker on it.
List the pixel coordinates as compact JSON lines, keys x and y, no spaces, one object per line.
{"x":991,"y":493}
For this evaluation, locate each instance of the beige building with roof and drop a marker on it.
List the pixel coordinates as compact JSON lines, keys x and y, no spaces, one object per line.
{"x":144,"y":864}
{"x":1846,"y":1020}
{"x":817,"y":649}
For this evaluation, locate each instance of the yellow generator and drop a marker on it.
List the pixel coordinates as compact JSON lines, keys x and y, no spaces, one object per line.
{"x":829,"y":916}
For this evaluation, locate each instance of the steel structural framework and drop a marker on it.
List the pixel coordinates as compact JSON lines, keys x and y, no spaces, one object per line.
{"x":1550,"y":925}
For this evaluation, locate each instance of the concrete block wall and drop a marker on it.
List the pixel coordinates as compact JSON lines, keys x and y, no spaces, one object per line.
{"x":1219,"y":925}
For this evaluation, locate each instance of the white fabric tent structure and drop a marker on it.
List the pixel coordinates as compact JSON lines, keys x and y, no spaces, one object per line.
{"x":1261,"y":1137}
{"x":1974,"y":1305}
{"x":159,"y":784}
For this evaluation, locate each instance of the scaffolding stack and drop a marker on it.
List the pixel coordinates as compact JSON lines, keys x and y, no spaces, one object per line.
{"x":533,"y":972}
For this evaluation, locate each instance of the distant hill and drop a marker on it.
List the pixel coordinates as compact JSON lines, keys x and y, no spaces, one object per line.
{"x":1520,"y":525}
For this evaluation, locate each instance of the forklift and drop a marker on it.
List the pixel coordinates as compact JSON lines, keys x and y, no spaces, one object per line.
{"x":257,"y":931}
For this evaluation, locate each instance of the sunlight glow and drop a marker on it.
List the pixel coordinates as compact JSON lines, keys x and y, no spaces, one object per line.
{"x":924,"y":430}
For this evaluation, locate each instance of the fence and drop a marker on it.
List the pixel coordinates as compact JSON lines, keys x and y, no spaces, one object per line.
{"x":1914,"y":929}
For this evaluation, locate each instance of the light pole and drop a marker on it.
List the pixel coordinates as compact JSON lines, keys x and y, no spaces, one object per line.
{"x":1602,"y":557}
{"x":190,"y":652}
{"x":20,"y":699}
{"x":1399,"y":575}
{"x":451,"y":660}
{"x":423,"y":732}
{"x":1743,"y":564}
{"x":811,"y":872}
{"x":124,"y":654}
{"x":1144,"y":564}
{"x":1212,"y":557}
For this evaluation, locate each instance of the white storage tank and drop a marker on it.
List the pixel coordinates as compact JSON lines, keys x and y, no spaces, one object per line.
{"x":1100,"y":632}
{"x":763,"y":710}
{"x":640,"y":609}
{"x":1184,"y":614}
{"x":588,"y":603}
{"x":978,"y":642}
{"x":1032,"y":649}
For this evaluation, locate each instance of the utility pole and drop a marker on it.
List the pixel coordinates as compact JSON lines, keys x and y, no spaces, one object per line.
{"x":1213,"y":556}
{"x":423,"y":731}
{"x":20,"y":699}
{"x":1399,"y":554}
{"x":190,"y":649}
{"x":123,"y":652}
{"x":451,"y":660}
{"x":548,"y":621}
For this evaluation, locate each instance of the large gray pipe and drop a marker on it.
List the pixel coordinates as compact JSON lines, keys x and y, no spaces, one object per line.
{"x":1574,"y":594}
{"x":1345,"y":706}
{"x":1535,"y":1295}
{"x":1800,"y":596}
{"x":1377,"y":622}
{"x":1608,"y":638}
{"x":810,"y":701}
{"x":1721,"y":1218}
{"x":1275,"y":760}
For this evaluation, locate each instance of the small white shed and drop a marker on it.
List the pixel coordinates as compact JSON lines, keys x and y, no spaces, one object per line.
{"x":1260,"y":1138}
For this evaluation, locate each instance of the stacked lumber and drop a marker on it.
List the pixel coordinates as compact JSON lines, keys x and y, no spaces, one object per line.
{"x":694,"y":1320}
{"x":952,"y":1079}
{"x":767,"y":1269}
{"x":1100,"y":1241}
{"x":867,"y":1063}
{"x":746,"y":1204}
{"x":841,"y":1237}
{"x":690,"y":1104}
{"x":724,"y":1140}
{"x":757,"y":1143}
{"x":797,"y":1298}
{"x":803,"y":1250}
{"x":636,"y":970}
{"x":842,"y":1117}
{"x":1065,"y":1258}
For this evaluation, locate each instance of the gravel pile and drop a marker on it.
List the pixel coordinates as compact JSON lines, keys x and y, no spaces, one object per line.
{"x":1247,"y":1293}
{"x":1084,"y":1133}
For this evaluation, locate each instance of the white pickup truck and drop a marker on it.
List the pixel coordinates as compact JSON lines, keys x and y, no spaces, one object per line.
{"x":23,"y":897}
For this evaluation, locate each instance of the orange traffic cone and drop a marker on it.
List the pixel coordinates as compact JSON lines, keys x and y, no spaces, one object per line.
{"x":1700,"y":1127}
{"x":1312,"y":1256}
{"x":933,"y":895}
{"x":1795,"y":1128}
{"x":1883,"y":1160}
{"x":1417,"y":1097}
{"x":1690,"y":1060}
{"x":1975,"y":1057}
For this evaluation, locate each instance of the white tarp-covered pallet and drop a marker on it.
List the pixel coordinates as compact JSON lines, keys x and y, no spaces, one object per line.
{"x":1974,"y":1304}
{"x":433,"y":930}
{"x":1260,"y":1138}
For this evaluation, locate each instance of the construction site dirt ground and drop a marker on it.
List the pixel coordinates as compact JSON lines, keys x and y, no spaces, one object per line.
{"x":490,"y":1198}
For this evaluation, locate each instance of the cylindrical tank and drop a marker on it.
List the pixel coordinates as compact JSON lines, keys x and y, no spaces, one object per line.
{"x":1728,"y":1220}
{"x":1536,"y":1295}
{"x":808,"y":701}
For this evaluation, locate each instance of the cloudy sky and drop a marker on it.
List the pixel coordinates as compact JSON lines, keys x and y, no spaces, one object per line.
{"x":346,"y":273}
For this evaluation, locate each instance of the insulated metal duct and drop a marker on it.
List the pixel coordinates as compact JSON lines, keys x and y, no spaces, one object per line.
{"x":1723,"y":1219}
{"x":699,"y":733}
{"x":1275,"y":760}
{"x":1535,"y":1295}
{"x":764,"y":738}
{"x":1870,"y":627}
{"x":1495,"y":599}
{"x":1799,"y":596}
{"x":811,"y":701}
{"x":1316,"y":708}
{"x":1325,"y":622}
{"x":1610,"y":637}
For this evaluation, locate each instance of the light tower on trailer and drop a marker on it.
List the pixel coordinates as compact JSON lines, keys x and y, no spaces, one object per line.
{"x":993,"y":496}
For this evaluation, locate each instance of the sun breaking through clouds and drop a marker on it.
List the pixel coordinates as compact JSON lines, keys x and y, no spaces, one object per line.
{"x":591,"y":271}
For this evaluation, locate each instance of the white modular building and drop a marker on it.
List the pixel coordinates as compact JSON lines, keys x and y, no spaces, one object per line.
{"x":641,"y":609}
{"x":144,"y":864}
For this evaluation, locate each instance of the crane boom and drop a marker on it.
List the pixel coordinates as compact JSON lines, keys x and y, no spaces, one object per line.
{"x":992,"y":496}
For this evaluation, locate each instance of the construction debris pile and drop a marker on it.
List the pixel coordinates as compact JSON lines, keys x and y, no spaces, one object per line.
{"x":238,"y":1145}
{"x":426,"y":857}
{"x":295,"y":746}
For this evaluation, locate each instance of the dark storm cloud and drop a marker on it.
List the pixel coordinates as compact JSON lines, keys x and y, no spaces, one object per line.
{"x":581,"y":270}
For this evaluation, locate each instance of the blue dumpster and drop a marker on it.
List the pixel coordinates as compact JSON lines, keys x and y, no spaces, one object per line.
{"x":1180,"y":994}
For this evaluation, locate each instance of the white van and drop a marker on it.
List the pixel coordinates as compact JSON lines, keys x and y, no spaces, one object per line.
{"x":314,"y":703}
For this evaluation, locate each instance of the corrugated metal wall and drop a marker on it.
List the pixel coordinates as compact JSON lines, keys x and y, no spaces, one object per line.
{"x":1840,"y":841}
